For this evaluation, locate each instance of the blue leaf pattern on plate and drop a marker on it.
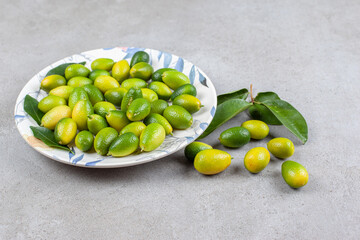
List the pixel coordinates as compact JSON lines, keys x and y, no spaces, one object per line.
{"x":131,"y":51}
{"x":179,"y":65}
{"x":108,"y":48}
{"x":167,"y":60}
{"x":150,"y":58}
{"x":87,"y":58}
{"x":72,"y":154}
{"x":212,"y":112}
{"x":75,"y":160}
{"x":93,"y":163}
{"x":202,"y":79}
{"x":19,"y":116}
{"x":128,"y":55}
{"x":192,"y":74}
{"x":159,"y":55}
{"x":203,"y":126}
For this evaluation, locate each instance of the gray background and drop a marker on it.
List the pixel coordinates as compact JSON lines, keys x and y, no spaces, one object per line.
{"x":306,"y":51}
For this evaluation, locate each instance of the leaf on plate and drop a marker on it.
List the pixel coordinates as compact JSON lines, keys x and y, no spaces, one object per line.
{"x":259,"y":112}
{"x":31,"y":108}
{"x":289,"y":117}
{"x":48,"y":137}
{"x":239,"y":94}
{"x":60,"y":70}
{"x":225,"y":112}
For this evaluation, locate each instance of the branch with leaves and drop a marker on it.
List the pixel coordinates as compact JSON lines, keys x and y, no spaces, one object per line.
{"x":266,"y":106}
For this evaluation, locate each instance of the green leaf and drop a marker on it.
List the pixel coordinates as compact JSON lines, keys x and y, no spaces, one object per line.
{"x":60,"y":70}
{"x":264,"y":96}
{"x":260,"y":112}
{"x":48,"y":137}
{"x":289,"y":117}
{"x":239,"y":94}
{"x":225,"y":112}
{"x":31,"y":108}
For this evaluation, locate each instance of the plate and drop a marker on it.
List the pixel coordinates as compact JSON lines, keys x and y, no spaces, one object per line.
{"x":158,"y":59}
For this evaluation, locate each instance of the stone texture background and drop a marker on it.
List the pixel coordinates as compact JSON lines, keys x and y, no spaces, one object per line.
{"x":306,"y":51}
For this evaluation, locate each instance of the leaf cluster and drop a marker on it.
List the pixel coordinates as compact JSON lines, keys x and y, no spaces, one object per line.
{"x":266,"y":106}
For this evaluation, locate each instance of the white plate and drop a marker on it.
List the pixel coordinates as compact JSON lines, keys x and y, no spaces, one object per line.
{"x":205,"y":92}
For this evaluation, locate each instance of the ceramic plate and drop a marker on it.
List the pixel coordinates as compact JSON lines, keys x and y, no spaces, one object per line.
{"x":205,"y":92}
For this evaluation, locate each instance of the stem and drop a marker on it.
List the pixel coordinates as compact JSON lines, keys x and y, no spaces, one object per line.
{"x":251,"y":93}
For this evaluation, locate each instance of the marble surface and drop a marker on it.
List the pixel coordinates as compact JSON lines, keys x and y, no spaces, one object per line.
{"x":306,"y":51}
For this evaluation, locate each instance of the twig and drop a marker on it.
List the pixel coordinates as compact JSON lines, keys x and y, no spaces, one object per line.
{"x":251,"y":93}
